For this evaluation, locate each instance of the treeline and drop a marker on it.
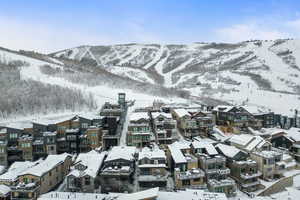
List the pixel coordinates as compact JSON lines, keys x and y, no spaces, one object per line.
{"x":27,"y":97}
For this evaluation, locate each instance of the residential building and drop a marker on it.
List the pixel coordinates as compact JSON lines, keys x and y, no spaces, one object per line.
{"x":118,"y":169}
{"x":94,"y":137}
{"x":242,"y":169}
{"x":164,"y":127}
{"x":187,"y":173}
{"x":186,"y":123}
{"x":214,"y":167}
{"x":112,"y":121}
{"x":249,"y":143}
{"x":237,"y":117}
{"x":152,"y":164}
{"x":84,"y":175}
{"x":139,"y":133}
{"x":266,"y":161}
{"x":41,"y":178}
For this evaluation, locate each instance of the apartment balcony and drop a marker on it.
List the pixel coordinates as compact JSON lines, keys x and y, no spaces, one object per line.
{"x":116,"y":171}
{"x":247,"y":185}
{"x":221,"y":183}
{"x":190,"y":174}
{"x":224,"y":171}
{"x":250,"y":175}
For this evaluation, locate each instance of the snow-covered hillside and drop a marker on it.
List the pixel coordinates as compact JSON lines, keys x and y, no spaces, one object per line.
{"x":262,"y":73}
{"x":32,"y":69}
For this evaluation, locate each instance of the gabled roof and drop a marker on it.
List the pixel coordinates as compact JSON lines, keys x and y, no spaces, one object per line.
{"x":135,"y":116}
{"x":248,"y":142}
{"x":242,"y":139}
{"x":294,"y":133}
{"x":92,"y":160}
{"x":121,"y":152}
{"x":4,"y":190}
{"x":46,"y":165}
{"x":161,"y":114}
{"x":228,"y":150}
{"x":181,"y":112}
{"x":16,"y":169}
{"x":152,"y":153}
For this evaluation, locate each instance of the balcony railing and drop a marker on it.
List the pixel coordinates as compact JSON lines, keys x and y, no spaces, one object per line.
{"x":249,"y":176}
{"x":224,"y":171}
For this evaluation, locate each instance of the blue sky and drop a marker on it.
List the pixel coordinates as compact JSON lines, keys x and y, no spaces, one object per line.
{"x":51,"y":25}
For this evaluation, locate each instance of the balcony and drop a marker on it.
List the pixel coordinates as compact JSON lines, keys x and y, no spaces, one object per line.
{"x":190,"y":174}
{"x":221,"y":183}
{"x":250,"y":175}
{"x":246,"y":185}
{"x":224,"y":171}
{"x":116,"y":171}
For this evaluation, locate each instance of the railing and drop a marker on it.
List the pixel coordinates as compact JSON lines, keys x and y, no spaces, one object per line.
{"x":249,"y":176}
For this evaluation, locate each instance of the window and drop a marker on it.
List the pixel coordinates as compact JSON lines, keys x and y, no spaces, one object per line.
{"x":87,"y":181}
{"x":13,"y":135}
{"x":50,"y":174}
{"x":84,"y":125}
{"x":186,"y":182}
{"x":196,"y":179}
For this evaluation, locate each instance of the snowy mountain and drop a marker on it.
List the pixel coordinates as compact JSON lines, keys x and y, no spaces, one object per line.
{"x":34,"y":85}
{"x":259,"y":73}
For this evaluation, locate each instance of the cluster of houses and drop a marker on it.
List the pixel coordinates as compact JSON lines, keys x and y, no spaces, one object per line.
{"x":199,"y":150}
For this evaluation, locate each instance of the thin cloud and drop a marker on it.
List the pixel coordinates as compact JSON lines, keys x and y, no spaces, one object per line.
{"x":242,"y":32}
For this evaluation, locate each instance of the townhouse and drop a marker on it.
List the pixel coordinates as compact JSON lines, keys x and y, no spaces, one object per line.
{"x":152,"y":164}
{"x":242,"y":169}
{"x":214,"y":166}
{"x":42,"y":177}
{"x":187,"y":174}
{"x":237,"y":118}
{"x":186,"y":123}
{"x":84,"y":174}
{"x":164,"y":127}
{"x":139,"y":133}
{"x":118,"y":169}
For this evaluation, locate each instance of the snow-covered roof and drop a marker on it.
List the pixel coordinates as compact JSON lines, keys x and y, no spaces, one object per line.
{"x":176,"y":152}
{"x":152,"y":193}
{"x":16,"y":169}
{"x":138,"y":115}
{"x":3,"y":130}
{"x":256,"y":142}
{"x":272,"y":131}
{"x":228,"y":150}
{"x":249,"y":142}
{"x":294,"y":133}
{"x":92,"y":160}
{"x":210,"y":149}
{"x":268,"y":154}
{"x":4,"y":190}
{"x":222,"y":108}
{"x":152,"y":153}
{"x":181,"y":112}
{"x":48,"y":133}
{"x":255,"y":109}
{"x":121,"y":152}
{"x":191,"y":195}
{"x":46,"y":165}
{"x":163,"y":114}
{"x":242,"y":139}
{"x":145,"y":194}
{"x":18,"y":125}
